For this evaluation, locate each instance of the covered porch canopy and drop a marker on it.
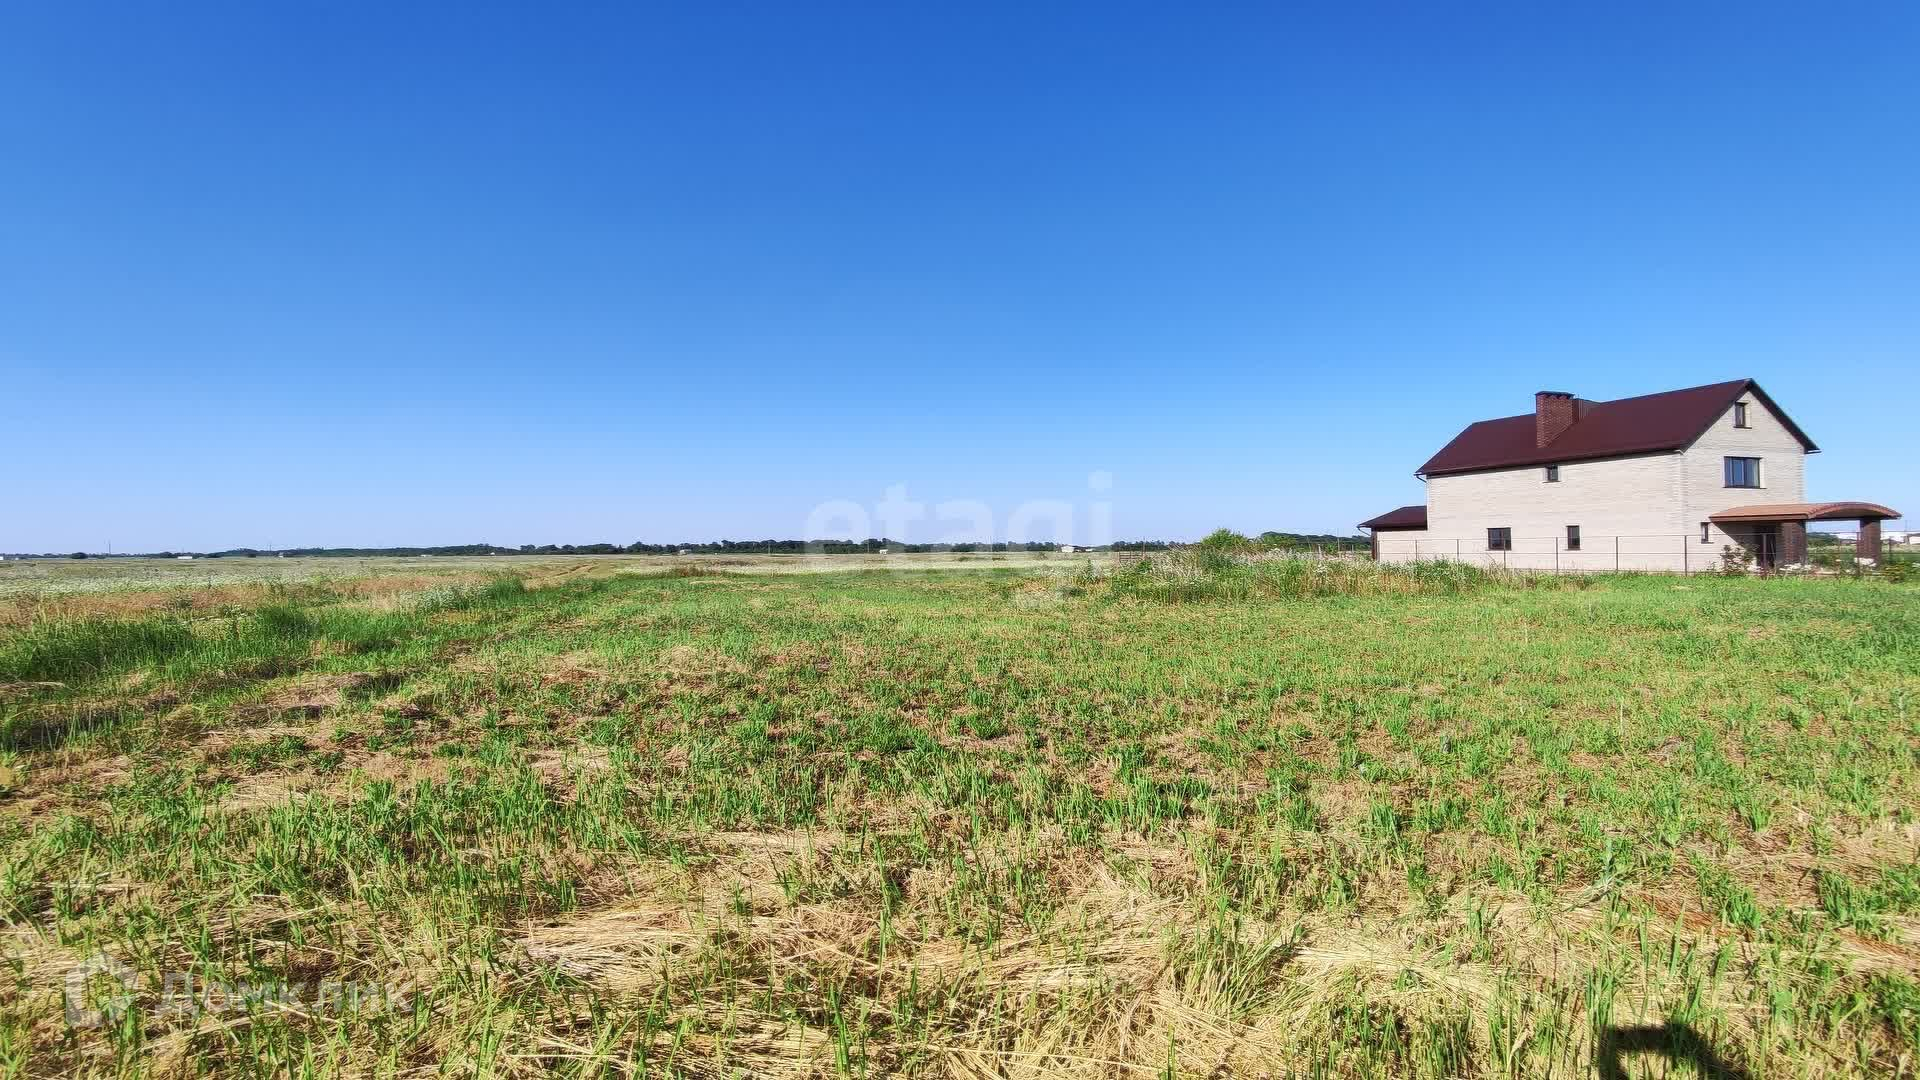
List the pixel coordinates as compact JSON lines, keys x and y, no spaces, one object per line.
{"x":1792,"y":518}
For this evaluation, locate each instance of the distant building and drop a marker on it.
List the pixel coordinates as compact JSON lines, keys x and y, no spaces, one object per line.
{"x":1660,"y":482}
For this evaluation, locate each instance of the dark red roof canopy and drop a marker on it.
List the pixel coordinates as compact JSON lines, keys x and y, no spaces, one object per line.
{"x":1826,"y":511}
{"x":1647,"y":424}
{"x":1407,"y":517}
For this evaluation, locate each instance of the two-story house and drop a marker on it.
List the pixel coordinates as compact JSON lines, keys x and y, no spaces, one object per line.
{"x":1659,"y":482}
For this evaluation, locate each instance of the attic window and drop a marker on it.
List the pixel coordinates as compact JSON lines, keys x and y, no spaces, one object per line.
{"x":1740,"y":414}
{"x":1553,"y":474}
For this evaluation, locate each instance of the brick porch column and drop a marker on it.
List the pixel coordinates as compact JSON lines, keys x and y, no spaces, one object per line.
{"x":1868,"y":546}
{"x":1793,"y":543}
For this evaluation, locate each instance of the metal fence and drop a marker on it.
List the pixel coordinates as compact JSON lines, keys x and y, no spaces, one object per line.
{"x":1660,"y":553}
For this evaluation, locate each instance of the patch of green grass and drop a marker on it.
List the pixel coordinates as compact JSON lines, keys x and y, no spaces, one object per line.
{"x":87,"y":648}
{"x":81,"y":651}
{"x":1223,"y":573}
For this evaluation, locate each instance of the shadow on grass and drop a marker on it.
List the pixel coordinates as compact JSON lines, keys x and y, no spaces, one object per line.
{"x":47,"y":728}
{"x":1677,"y":1042}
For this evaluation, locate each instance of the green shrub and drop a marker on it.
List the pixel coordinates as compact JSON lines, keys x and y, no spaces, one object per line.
{"x":1735,"y":561}
{"x":1226,"y":541}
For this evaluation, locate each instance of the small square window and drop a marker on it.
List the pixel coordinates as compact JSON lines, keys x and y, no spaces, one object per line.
{"x":1743,"y":472}
{"x":1553,"y":474}
{"x":1500,"y":539}
{"x":1740,"y":414}
{"x":1706,"y":532}
{"x":1573,"y":538}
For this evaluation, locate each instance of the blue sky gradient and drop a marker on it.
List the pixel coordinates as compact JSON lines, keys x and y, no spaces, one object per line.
{"x":316,"y":274}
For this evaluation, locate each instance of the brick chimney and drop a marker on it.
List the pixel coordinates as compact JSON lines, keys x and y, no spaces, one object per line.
{"x":1553,"y":413}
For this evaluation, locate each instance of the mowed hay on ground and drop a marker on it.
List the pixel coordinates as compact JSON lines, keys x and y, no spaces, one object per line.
{"x":972,"y":823}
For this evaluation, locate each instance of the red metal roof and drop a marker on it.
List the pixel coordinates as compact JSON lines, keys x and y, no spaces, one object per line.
{"x":1407,"y":517}
{"x":1647,"y":424}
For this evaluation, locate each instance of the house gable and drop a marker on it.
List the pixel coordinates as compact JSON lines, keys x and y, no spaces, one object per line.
{"x":1769,"y":436}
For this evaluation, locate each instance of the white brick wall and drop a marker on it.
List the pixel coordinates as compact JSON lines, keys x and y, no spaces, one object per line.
{"x":1635,"y":499}
{"x":1404,"y":545}
{"x":1635,"y":513}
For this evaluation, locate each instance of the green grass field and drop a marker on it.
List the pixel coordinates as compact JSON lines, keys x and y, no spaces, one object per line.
{"x":969,"y":822}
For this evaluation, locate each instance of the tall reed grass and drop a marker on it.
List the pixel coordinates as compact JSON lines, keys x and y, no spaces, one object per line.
{"x":1209,"y":573}
{"x":69,"y":650}
{"x":79,"y":650}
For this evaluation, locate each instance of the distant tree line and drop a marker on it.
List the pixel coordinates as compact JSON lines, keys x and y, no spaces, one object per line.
{"x":869,"y":546}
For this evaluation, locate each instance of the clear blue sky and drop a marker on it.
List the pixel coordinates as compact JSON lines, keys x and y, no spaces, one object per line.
{"x":330,"y":273}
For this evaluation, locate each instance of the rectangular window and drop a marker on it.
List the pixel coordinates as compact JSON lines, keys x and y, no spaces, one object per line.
{"x":1573,"y":538}
{"x":1553,"y":474}
{"x":1743,"y":472}
{"x":1500,"y":539}
{"x":1705,"y":535}
{"x":1739,"y":414}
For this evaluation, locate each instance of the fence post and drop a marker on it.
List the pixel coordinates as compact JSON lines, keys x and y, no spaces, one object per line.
{"x":1456,"y":549}
{"x":1556,"y":554}
{"x":1616,"y":554}
{"x":1686,"y":562}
